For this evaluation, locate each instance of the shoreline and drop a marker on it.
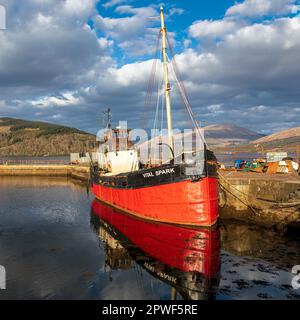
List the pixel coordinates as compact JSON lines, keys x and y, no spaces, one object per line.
{"x":73,"y":171}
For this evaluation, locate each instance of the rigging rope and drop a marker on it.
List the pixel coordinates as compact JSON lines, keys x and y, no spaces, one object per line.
{"x":159,"y":84}
{"x":181,"y":87}
{"x":155,"y":125}
{"x":150,"y":83}
{"x":186,"y":101}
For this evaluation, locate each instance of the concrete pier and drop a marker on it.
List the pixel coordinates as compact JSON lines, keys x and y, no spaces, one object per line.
{"x":73,"y":171}
{"x":271,"y":201}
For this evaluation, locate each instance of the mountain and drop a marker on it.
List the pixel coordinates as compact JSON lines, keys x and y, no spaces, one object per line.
{"x":35,"y":138}
{"x":227,"y":134}
{"x":286,"y":140}
{"x":219,"y":137}
{"x":282,"y":135}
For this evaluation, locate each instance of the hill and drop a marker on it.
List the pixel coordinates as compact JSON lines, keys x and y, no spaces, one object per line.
{"x":219,"y":137}
{"x":282,"y":135}
{"x":286,"y":141}
{"x":227,"y":134}
{"x":34,"y":138}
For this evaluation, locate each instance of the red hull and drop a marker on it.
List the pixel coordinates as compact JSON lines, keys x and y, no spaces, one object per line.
{"x":187,"y":250}
{"x":182,"y":203}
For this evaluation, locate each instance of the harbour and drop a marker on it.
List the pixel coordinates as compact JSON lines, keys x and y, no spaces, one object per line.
{"x":54,"y":246}
{"x":266,"y":200}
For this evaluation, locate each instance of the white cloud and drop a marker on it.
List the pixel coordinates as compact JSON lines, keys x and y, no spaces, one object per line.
{"x":113,"y":3}
{"x":48,"y":44}
{"x":259,"y":108}
{"x":176,"y":11}
{"x":105,"y":43}
{"x":134,"y":33}
{"x":78,"y":7}
{"x":126,"y":27}
{"x":261,"y":56}
{"x":63,"y":100}
{"x":216,"y":108}
{"x":211,"y":28}
{"x":253,"y":70}
{"x":257,"y":8}
{"x":145,"y":12}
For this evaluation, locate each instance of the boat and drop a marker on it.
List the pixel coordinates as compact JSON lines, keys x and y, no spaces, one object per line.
{"x":181,"y":189}
{"x":186,"y":259}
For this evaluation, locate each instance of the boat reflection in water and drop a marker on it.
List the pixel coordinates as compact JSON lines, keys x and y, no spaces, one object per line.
{"x":186,"y":259}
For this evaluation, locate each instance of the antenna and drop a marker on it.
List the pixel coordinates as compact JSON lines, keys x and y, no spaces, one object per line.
{"x":103,"y":120}
{"x":108,"y":118}
{"x":106,"y":112}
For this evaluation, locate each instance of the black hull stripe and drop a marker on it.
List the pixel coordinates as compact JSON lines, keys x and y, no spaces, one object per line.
{"x":149,"y":178}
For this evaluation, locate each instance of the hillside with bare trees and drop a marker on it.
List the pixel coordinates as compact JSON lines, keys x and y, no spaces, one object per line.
{"x":32,"y":138}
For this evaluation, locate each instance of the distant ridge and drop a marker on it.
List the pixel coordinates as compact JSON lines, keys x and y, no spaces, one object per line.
{"x":286,"y":140}
{"x":222,"y":136}
{"x":282,"y":135}
{"x":35,"y":138}
{"x":228,"y":133}
{"x":230,"y":130}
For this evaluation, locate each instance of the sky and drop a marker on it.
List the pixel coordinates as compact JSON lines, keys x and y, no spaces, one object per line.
{"x":66,"y":61}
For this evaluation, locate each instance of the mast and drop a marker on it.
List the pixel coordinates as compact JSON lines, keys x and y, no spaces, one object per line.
{"x":166,"y":80}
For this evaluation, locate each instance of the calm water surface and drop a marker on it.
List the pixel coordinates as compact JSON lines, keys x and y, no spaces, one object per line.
{"x":57,"y":243}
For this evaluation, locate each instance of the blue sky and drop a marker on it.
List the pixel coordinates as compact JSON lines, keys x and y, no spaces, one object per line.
{"x":193,"y":10}
{"x":188,"y":11}
{"x":67,"y":61}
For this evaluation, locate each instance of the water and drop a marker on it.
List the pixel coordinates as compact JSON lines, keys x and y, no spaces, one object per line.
{"x":56,"y":243}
